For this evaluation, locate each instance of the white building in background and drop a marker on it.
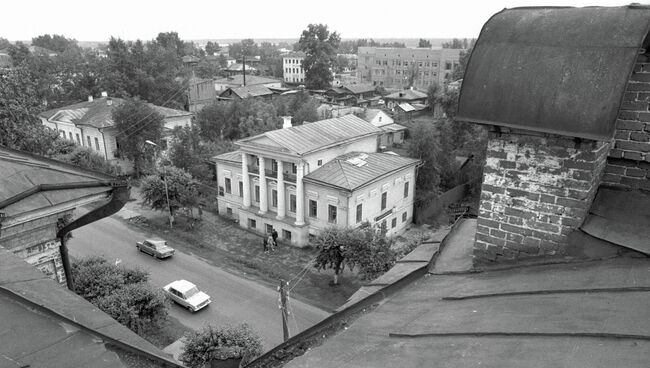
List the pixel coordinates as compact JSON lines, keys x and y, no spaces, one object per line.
{"x":292,"y":68}
{"x":90,"y":124}
{"x":299,"y":180}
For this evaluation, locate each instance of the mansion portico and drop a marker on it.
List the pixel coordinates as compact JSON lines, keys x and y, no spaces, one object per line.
{"x":301,"y":179}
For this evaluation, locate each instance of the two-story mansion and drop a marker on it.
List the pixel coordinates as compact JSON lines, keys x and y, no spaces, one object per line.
{"x":302,"y":179}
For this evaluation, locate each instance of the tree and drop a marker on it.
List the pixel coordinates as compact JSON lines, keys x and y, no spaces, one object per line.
{"x":4,"y":43}
{"x":425,"y":145}
{"x":364,"y":247}
{"x":137,"y":122}
{"x":433,"y":96}
{"x":58,"y":43}
{"x":181,"y":189}
{"x":464,"y":55}
{"x":212,"y":48}
{"x":424,"y":43}
{"x":84,"y":157}
{"x":20,"y":128}
{"x":210,"y":343}
{"x":19,"y":54}
{"x":95,"y":278}
{"x":320,"y":48}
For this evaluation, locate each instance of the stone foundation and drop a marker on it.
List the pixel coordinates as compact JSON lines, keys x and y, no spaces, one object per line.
{"x":537,"y":189}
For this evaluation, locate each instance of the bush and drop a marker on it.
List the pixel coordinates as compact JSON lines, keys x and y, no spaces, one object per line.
{"x":136,"y":306}
{"x":122,"y":293}
{"x":225,"y":342}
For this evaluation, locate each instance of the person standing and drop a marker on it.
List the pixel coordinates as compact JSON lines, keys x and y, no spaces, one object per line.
{"x":274,"y":234}
{"x":271,"y":243}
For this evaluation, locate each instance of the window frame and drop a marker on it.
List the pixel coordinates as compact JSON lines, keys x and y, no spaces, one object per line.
{"x":228,"y":185}
{"x":313,"y":208}
{"x":359,"y":215}
{"x":384,"y":200}
{"x":332,"y":213}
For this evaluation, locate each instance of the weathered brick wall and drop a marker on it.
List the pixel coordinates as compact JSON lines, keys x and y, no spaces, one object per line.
{"x":35,"y":242}
{"x":628,"y":164}
{"x":536,"y":190}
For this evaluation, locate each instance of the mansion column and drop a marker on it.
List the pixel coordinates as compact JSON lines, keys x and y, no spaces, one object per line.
{"x":281,"y":203}
{"x":245,"y":180}
{"x":300,"y":196}
{"x":264,"y":199}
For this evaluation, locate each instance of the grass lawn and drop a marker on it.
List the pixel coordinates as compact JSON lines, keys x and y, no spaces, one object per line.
{"x":224,"y":244}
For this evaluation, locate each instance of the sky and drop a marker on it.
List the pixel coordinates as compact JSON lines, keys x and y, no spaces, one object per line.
{"x":264,"y":19}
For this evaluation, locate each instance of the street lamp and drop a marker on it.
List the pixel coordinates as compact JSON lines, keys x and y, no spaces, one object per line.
{"x":171,"y":218}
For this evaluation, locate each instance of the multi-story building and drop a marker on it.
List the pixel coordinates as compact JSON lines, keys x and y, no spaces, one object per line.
{"x":406,"y":67}
{"x":292,"y":67}
{"x":299,"y":180}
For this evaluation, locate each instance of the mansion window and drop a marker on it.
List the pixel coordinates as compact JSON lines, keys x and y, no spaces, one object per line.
{"x":393,"y":223}
{"x":96,"y":142}
{"x":292,"y":203}
{"x":274,"y":198}
{"x":331,"y":214}
{"x":406,"y":189}
{"x":313,"y":208}
{"x":294,"y":168}
{"x":252,"y":223}
{"x":359,"y":212}
{"x":384,"y":196}
{"x":241,"y":189}
{"x":274,"y":166}
{"x":228,"y":186}
{"x":404,"y":217}
{"x":257,"y":193}
{"x":286,"y":234}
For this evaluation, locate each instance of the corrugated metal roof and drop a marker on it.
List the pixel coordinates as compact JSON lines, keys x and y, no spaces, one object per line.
{"x":311,"y":137}
{"x":247,"y":91}
{"x":360,"y":88}
{"x":406,"y":95}
{"x":554,"y":70}
{"x":353,"y":170}
{"x":99,"y":114}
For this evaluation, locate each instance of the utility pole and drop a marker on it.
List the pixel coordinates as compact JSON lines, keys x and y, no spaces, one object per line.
{"x":164,"y":178}
{"x":283,"y":307}
{"x":244,"y":66}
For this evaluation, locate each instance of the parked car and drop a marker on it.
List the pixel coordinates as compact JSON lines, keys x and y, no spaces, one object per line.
{"x":187,"y":294}
{"x":156,"y":247}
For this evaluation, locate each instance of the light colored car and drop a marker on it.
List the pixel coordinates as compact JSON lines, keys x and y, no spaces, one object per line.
{"x":187,"y":294}
{"x":156,"y":247}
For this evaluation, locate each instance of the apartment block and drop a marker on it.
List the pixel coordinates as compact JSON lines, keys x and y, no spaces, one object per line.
{"x":403,"y":67}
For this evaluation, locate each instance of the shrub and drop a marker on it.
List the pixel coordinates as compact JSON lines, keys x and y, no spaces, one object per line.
{"x":220,"y":342}
{"x":136,"y":306}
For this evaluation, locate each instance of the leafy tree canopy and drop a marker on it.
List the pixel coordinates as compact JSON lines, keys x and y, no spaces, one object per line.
{"x":20,"y":128}
{"x":137,"y":122}
{"x":320,"y":47}
{"x":4,"y":43}
{"x":181,"y":189}
{"x":424,"y":43}
{"x":58,"y":43}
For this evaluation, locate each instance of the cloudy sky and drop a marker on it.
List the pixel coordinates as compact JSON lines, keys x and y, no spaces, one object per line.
{"x":222,"y":19}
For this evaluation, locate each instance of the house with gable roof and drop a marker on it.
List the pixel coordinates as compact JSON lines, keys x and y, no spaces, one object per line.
{"x":392,"y":133}
{"x":90,"y":124}
{"x":299,"y":180}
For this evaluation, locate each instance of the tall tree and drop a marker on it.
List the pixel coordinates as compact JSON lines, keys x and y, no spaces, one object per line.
{"x":180,"y":188}
{"x":20,"y":127}
{"x":320,"y":48}
{"x":4,"y":43}
{"x":58,"y":43}
{"x":212,"y":48}
{"x":424,"y":43}
{"x":137,"y":122}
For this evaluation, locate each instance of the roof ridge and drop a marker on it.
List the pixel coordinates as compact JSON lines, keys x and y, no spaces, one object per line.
{"x":345,"y":176}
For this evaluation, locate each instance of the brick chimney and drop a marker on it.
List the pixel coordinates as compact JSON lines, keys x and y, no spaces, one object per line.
{"x":537,"y":189}
{"x":286,"y":122}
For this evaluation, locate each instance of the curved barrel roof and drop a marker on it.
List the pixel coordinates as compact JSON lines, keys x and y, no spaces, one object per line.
{"x":553,"y":70}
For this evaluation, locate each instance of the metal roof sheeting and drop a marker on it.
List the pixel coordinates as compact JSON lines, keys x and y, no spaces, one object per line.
{"x":353,"y":170}
{"x":306,"y":138}
{"x":553,"y":70}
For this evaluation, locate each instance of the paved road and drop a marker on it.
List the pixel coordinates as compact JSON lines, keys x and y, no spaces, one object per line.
{"x":234,"y":299}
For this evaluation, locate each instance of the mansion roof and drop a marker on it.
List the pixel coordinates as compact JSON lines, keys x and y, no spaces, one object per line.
{"x":307,"y":138}
{"x":355,"y":169}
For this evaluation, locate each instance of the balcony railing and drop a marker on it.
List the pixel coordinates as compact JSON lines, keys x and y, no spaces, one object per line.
{"x":271,"y":174}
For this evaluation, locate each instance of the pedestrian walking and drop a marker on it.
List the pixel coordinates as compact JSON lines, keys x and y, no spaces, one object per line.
{"x":271,"y":243}
{"x":266,"y":245}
